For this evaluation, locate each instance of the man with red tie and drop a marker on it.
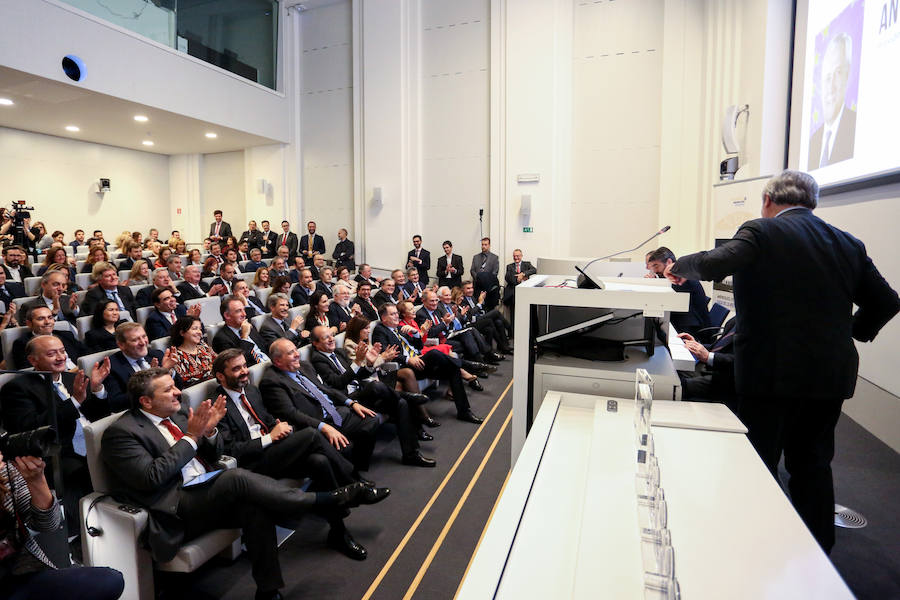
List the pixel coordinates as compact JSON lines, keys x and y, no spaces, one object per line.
{"x":516,"y":272}
{"x":166,"y":312}
{"x":219,"y":229}
{"x":265,"y":445}
{"x":287,"y":238}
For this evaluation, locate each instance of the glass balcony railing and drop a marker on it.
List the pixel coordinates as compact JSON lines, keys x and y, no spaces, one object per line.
{"x":240,"y":36}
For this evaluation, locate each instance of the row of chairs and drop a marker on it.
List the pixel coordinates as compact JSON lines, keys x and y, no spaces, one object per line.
{"x":119,"y":545}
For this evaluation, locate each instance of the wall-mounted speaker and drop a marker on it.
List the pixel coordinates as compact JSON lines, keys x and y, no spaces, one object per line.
{"x":377,"y":201}
{"x":525,"y":207}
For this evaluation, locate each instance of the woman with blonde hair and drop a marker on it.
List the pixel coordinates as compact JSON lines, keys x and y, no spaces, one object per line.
{"x":140,"y":273}
{"x":96,"y":254}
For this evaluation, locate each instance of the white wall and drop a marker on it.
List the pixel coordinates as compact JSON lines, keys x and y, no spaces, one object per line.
{"x":454,"y":85}
{"x":37,"y":34}
{"x":59,"y":178}
{"x":326,"y":113}
{"x":617,"y":110}
{"x":222,"y":187}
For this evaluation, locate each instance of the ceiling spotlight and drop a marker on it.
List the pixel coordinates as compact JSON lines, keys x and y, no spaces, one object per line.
{"x":6,"y":102}
{"x":141,"y":118}
{"x":212,"y":135}
{"x":147,"y":142}
{"x":72,"y":128}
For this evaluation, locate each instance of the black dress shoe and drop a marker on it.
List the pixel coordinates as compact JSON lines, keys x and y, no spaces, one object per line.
{"x":430,"y":422}
{"x":476,"y":385}
{"x":494,"y":357}
{"x":345,"y":497}
{"x":373,"y":495}
{"x":470,"y":417}
{"x":344,"y":543}
{"x":414,"y":399}
{"x":365,"y":481}
{"x":276,"y":595}
{"x":417,"y":460}
{"x":424,"y":436}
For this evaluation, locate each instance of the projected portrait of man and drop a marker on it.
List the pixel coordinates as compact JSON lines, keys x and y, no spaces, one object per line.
{"x":833,"y":141}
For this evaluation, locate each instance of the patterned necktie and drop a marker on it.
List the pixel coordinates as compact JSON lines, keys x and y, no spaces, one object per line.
{"x":114,"y":294}
{"x":405,"y":345}
{"x":337,"y":363}
{"x":323,"y":400}
{"x":78,"y":443}
{"x":249,"y":408}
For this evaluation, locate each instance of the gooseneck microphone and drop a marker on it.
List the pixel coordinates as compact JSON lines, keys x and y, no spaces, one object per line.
{"x":584,"y":280}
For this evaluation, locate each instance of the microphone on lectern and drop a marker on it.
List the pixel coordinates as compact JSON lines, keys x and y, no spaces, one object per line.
{"x":584,"y":280}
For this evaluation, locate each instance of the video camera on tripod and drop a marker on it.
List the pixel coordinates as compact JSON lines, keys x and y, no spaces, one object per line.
{"x":19,"y":212}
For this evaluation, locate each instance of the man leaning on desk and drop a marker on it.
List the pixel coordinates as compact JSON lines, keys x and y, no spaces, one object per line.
{"x":796,"y":279}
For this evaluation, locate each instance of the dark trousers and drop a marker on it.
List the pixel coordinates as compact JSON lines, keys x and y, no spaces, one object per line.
{"x":383,"y":399}
{"x":305,"y":453}
{"x":361,"y":432}
{"x":440,"y":366}
{"x":253,"y":502}
{"x":803,"y":429}
{"x":493,"y":326}
{"x":76,"y":484}
{"x":470,"y":345}
{"x":82,"y":583}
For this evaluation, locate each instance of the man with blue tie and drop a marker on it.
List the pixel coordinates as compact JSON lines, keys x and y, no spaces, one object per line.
{"x":53,"y":296}
{"x":292,"y":391}
{"x":108,"y":288}
{"x":239,"y":333}
{"x":78,"y":400}
{"x":135,"y":354}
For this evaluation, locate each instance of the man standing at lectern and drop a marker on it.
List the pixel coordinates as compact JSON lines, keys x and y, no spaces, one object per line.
{"x":796,"y":279}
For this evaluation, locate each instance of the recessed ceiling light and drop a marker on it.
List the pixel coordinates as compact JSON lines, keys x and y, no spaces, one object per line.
{"x":147,"y":142}
{"x":141,"y":118}
{"x":6,"y":102}
{"x":212,"y":135}
{"x":72,"y":128}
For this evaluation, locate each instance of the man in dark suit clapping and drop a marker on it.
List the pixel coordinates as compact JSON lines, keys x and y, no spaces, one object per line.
{"x":796,"y":280}
{"x":449,"y":267}
{"x":419,"y":258}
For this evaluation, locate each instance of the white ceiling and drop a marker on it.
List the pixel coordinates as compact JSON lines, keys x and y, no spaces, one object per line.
{"x":46,"y":106}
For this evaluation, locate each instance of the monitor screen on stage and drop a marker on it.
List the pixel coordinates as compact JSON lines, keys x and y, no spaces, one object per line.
{"x":845,"y":115}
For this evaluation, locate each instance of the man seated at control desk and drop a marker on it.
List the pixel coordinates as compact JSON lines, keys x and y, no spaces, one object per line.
{"x":713,"y":379}
{"x":696,"y":319}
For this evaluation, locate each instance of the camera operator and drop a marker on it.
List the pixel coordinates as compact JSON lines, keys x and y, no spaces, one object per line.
{"x":26,"y":505}
{"x":79,"y":400}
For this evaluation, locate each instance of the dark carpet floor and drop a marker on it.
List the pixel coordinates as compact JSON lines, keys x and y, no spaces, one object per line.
{"x":866,"y":472}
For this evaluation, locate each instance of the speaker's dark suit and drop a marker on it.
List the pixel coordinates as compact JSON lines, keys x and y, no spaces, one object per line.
{"x":67,"y":313}
{"x":437,"y":365}
{"x":288,"y":401}
{"x":226,"y":338}
{"x":796,"y":279}
{"x":145,"y":470}
{"x":291,"y":242}
{"x":318,"y":246}
{"x":26,"y":406}
{"x":343,"y":254}
{"x":444,"y":278}
{"x":224,"y":230}
{"x":120,"y":372}
{"x":97,"y":294}
{"x":189,"y":292}
{"x":844,"y":139}
{"x":375,"y":395}
{"x":74,"y":348}
{"x":303,"y":453}
{"x":697,"y":315}
{"x":422,"y":267}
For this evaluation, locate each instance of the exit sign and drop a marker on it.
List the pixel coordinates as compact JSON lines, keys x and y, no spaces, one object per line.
{"x":527,"y":230}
